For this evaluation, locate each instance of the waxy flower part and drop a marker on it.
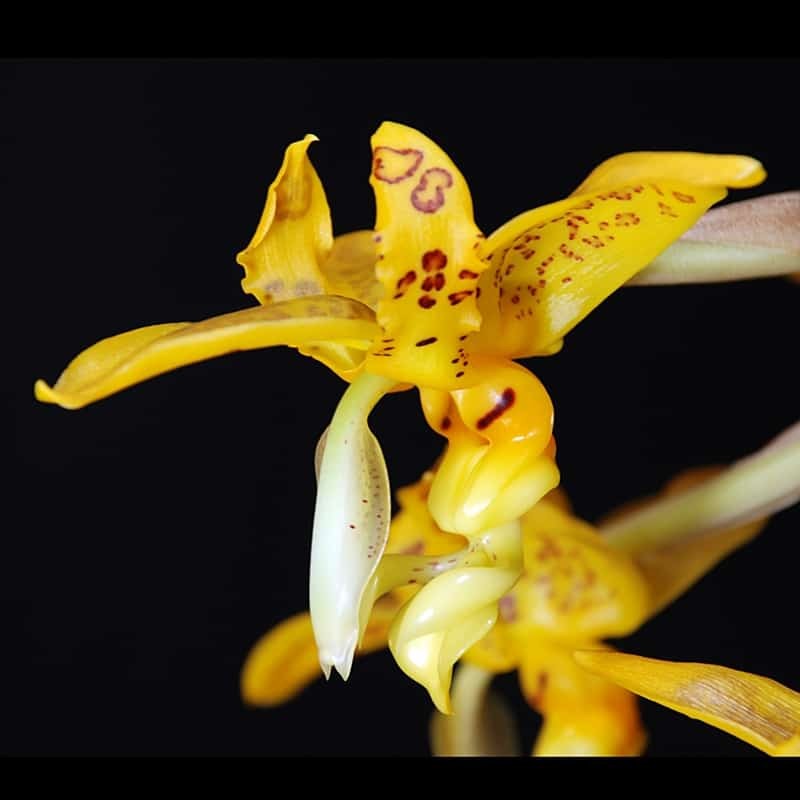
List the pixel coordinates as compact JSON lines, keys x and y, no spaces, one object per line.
{"x":580,"y":584}
{"x":425,"y":299}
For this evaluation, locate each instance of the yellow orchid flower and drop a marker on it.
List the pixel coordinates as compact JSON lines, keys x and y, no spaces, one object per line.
{"x":426,"y":300}
{"x":580,"y":585}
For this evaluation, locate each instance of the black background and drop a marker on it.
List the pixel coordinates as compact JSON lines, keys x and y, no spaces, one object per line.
{"x":150,"y":539}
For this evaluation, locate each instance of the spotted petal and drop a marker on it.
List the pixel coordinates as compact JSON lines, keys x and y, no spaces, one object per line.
{"x":427,"y":261}
{"x":550,"y":267}
{"x":758,"y":710}
{"x":121,"y":361}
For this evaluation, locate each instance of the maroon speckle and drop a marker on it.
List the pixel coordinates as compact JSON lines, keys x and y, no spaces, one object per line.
{"x":456,"y":297}
{"x":503,"y":404}
{"x":459,"y":374}
{"x":434,"y":260}
{"x":428,"y":194}
{"x":426,"y":301}
{"x":406,"y":280}
{"x":414,"y":158}
{"x":467,"y":274}
{"x":352,"y":526}
{"x":446,"y":423}
{"x":426,"y":342}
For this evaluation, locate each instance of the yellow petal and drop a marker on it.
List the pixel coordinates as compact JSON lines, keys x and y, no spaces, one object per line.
{"x":499,"y":460}
{"x":481,"y":723}
{"x":445,"y":618}
{"x":551,"y":266}
{"x":755,"y":238}
{"x":284,"y":661}
{"x":349,"y":269}
{"x":700,"y":169}
{"x":583,"y":714}
{"x":294,"y":235}
{"x":758,"y":710}
{"x":121,"y":361}
{"x":574,"y":586}
{"x":427,"y":261}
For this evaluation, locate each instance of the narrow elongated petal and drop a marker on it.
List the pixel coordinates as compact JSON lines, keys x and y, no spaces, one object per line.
{"x":481,"y":723}
{"x":548,"y":268}
{"x":285,"y":660}
{"x":351,"y":525}
{"x":294,"y":235}
{"x":121,"y":361}
{"x":755,"y":238}
{"x":426,"y":240}
{"x":701,"y":169}
{"x":443,"y":620}
{"x":758,"y":710}
{"x":755,"y":487}
{"x":671,"y":569}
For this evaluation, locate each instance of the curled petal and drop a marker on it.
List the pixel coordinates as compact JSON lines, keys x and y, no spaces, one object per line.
{"x":758,"y":710}
{"x":443,"y":620}
{"x":351,"y":526}
{"x":550,"y":267}
{"x":481,"y":723}
{"x":294,"y":235}
{"x":755,"y":487}
{"x":755,"y":238}
{"x":427,"y":242}
{"x":121,"y":361}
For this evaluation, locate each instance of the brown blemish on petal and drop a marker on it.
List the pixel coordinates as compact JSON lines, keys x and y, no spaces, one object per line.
{"x":504,"y":402}
{"x":456,"y":297}
{"x":426,"y":342}
{"x":394,"y":166}
{"x":426,"y":301}
{"x":434,"y":260}
{"x":428,"y":195}
{"x":467,"y":274}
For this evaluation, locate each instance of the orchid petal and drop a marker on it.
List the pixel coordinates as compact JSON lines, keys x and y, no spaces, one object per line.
{"x":758,"y":710}
{"x":427,"y":241}
{"x":444,"y":619}
{"x":481,"y":723}
{"x":121,"y":361}
{"x":351,"y":525}
{"x":550,"y":267}
{"x":293,"y":237}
